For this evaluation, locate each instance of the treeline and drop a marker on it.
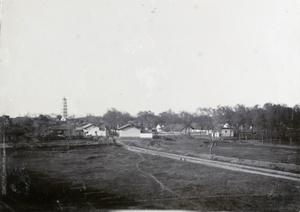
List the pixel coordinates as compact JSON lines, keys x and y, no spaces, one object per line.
{"x":272,"y":121}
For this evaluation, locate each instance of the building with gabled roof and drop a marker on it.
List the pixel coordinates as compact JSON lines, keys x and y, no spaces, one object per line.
{"x":90,"y":130}
{"x":130,"y":130}
{"x":159,"y":128}
{"x":227,"y":130}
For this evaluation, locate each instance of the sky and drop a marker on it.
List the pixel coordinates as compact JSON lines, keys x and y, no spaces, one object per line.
{"x":138,"y":55}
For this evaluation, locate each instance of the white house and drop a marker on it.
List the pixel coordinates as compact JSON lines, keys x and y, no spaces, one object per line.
{"x":159,"y":128}
{"x":227,"y":130}
{"x":132,"y":131}
{"x":94,"y":131}
{"x":214,"y":133}
{"x":129,"y":130}
{"x":90,"y":130}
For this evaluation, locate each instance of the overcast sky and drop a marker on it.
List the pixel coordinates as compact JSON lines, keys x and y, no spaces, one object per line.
{"x":147,"y":55}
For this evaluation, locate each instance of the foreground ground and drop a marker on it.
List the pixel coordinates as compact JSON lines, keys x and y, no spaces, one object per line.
{"x":91,"y":177}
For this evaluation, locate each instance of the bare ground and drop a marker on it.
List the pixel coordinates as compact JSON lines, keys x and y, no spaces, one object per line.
{"x":100,"y":177}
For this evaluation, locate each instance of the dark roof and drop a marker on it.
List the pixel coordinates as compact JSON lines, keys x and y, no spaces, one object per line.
{"x":175,"y":127}
{"x":187,"y":127}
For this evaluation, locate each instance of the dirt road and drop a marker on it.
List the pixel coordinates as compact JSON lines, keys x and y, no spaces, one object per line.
{"x":219,"y":164}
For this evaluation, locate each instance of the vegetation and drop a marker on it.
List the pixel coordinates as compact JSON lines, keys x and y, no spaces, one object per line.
{"x":100,"y":178}
{"x":272,"y":121}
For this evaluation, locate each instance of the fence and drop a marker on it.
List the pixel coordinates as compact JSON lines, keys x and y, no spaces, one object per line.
{"x":273,"y":138}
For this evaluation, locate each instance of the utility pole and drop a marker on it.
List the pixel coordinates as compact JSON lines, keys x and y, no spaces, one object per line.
{"x":4,"y":175}
{"x":5,"y":119}
{"x":291,"y":130}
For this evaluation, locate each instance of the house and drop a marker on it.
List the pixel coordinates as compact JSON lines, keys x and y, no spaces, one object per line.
{"x":227,"y":130}
{"x":129,"y":130}
{"x":159,"y":128}
{"x":132,"y":131}
{"x":94,"y":131}
{"x":90,"y":130}
{"x":214,"y":133}
{"x":62,"y":130}
{"x":191,"y":128}
{"x":174,"y":127}
{"x":187,"y":129}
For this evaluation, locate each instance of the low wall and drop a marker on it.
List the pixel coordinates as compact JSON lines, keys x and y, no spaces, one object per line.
{"x":146,"y":135}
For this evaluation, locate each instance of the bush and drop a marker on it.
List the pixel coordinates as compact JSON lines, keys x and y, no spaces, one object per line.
{"x":18,"y":181}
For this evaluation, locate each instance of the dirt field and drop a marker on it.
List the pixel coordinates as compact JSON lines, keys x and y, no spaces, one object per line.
{"x":99,"y":177}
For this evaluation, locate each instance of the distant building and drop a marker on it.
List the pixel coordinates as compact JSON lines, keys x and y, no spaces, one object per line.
{"x":129,"y":130}
{"x":227,"y":130}
{"x":60,"y":130}
{"x":90,"y":130}
{"x":159,"y":128}
{"x":174,"y":127}
{"x":214,"y":133}
{"x":132,"y":131}
{"x":191,"y":128}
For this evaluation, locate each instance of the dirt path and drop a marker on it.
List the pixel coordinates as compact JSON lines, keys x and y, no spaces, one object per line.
{"x":163,"y":187}
{"x":218,"y":164}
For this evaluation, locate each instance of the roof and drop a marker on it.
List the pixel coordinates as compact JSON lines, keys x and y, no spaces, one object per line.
{"x":227,"y":126}
{"x":187,"y":127}
{"x":83,"y":127}
{"x":175,"y":127}
{"x":127,"y":126}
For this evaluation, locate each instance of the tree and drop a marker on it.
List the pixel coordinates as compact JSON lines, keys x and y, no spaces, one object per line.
{"x":187,"y":119}
{"x":115,"y":119}
{"x":240,"y":118}
{"x":295,"y":121}
{"x":59,"y":117}
{"x":225,"y":114}
{"x":41,"y":124}
{"x":147,"y":119}
{"x":258,"y":120}
{"x":271,"y":118}
{"x":168,"y":117}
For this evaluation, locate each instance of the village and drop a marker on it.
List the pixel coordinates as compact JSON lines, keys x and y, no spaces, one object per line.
{"x":223,"y":123}
{"x":90,"y":130}
{"x":171,"y":156}
{"x":149,"y":105}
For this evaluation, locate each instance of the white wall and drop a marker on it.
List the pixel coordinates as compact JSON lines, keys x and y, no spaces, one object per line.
{"x":146,"y":135}
{"x":130,"y":132}
{"x":94,"y":131}
{"x":227,"y":132}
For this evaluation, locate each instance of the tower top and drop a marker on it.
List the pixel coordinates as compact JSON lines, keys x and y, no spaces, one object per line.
{"x":65,"y":109}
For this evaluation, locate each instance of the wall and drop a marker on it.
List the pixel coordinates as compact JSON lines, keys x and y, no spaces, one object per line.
{"x":130,"y":132}
{"x":227,"y":132}
{"x":91,"y":131}
{"x":146,"y":135}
